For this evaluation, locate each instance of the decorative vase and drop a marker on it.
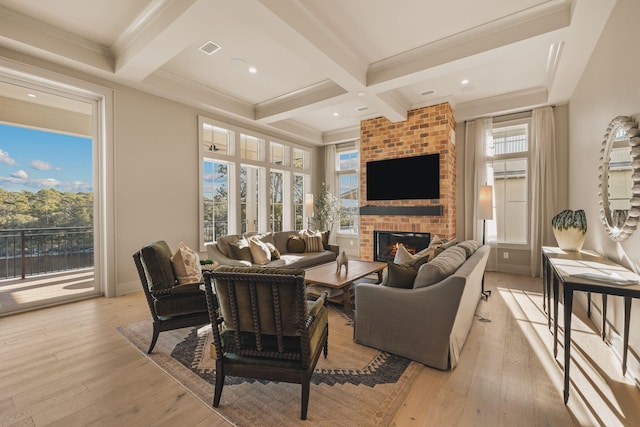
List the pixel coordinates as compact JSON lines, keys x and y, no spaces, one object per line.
{"x":570,"y":229}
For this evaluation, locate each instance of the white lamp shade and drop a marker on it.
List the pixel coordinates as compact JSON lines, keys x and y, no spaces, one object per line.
{"x":308,"y":204}
{"x":485,"y":202}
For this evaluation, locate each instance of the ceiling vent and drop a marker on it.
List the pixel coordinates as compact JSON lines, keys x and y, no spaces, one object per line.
{"x":210,"y":48}
{"x":363,"y":108}
{"x":428,"y":92}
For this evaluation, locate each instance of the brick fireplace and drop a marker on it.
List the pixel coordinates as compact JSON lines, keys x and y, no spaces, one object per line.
{"x":427,"y":130}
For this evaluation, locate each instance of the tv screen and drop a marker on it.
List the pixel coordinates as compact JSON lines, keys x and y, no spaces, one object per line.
{"x":406,"y":178}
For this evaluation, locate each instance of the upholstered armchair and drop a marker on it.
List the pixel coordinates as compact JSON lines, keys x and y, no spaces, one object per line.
{"x":173,"y":306}
{"x":265,"y":328}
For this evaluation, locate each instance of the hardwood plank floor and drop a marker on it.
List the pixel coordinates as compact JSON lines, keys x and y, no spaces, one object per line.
{"x":68,"y":365}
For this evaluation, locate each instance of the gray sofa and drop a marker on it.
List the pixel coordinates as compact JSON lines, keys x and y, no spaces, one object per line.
{"x":219,"y":252}
{"x":428,"y":324}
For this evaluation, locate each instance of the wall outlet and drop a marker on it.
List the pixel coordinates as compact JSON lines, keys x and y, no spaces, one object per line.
{"x":350,"y":242}
{"x":505,"y":255}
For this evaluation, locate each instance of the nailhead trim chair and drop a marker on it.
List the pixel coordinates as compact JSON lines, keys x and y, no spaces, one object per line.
{"x":265,"y":328}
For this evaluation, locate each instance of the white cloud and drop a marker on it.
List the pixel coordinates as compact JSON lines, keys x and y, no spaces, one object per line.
{"x":20,"y":174}
{"x":6,"y":159}
{"x":42,"y":165}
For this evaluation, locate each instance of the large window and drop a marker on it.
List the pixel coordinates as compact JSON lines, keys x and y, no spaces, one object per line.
{"x":509,"y":151}
{"x":249,"y":182}
{"x":215,"y":199}
{"x":348,"y":184}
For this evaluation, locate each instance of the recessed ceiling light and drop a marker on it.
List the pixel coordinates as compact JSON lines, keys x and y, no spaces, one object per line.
{"x":31,"y":95}
{"x":464,"y":82}
{"x":209,"y":47}
{"x":336,"y":114}
{"x":362,"y":93}
{"x":253,"y":70}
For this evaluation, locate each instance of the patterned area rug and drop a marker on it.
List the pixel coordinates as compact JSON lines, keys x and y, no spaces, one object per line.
{"x":355,"y":385}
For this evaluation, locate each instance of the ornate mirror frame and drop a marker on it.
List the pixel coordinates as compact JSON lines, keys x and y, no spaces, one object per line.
{"x":631,"y":127}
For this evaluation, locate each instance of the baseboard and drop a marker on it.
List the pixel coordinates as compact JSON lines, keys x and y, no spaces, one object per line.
{"x":127,"y":288}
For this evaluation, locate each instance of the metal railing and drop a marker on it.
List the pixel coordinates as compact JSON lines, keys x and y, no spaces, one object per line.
{"x":31,"y":251}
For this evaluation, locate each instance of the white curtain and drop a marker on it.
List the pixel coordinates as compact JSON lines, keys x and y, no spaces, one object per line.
{"x":478,"y":135}
{"x":544,"y":200}
{"x":331,"y":182}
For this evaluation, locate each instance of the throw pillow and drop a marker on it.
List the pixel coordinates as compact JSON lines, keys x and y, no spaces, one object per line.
{"x":259,"y":251}
{"x":436,"y":241}
{"x":402,"y":255}
{"x":325,"y":239}
{"x":400,"y":276}
{"x":240,"y":250}
{"x":469,"y":246}
{"x":186,"y":265}
{"x":312,"y":241}
{"x":403,"y":275}
{"x":275,"y":253}
{"x":295,"y":245}
{"x":440,"y":267}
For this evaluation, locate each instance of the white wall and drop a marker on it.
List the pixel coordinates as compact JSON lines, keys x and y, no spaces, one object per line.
{"x":609,"y":87}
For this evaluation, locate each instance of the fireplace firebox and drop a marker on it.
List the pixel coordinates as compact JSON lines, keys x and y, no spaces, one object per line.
{"x":385,"y":243}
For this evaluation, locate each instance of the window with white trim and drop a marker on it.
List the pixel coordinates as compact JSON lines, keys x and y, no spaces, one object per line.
{"x":348,"y":186}
{"x":249,"y":182}
{"x":509,"y":168}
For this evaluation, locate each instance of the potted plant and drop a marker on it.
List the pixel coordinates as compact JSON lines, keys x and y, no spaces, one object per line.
{"x":326,"y":209}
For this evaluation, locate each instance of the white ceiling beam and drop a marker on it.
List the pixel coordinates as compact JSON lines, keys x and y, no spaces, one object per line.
{"x":25,"y":34}
{"x":164,"y":32}
{"x":305,"y":100}
{"x":501,"y":104}
{"x":414,"y":65}
{"x":329,"y":53}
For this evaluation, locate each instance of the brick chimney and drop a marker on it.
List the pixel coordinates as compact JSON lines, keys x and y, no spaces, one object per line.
{"x":427,"y":130}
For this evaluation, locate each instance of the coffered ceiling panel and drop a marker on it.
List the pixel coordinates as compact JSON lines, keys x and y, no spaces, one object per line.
{"x":321,"y":65}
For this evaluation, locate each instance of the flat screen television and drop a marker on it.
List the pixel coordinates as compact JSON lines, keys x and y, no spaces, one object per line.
{"x":406,"y":178}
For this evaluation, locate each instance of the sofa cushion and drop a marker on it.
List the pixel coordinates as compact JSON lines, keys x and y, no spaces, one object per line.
{"x":186,"y":265}
{"x":325,"y":239}
{"x":260,"y":252}
{"x":470,"y":246}
{"x":223,"y":243}
{"x":275,"y":253}
{"x":156,"y":260}
{"x":312,"y":241}
{"x":440,"y":267}
{"x":400,"y":276}
{"x":403,"y":256}
{"x":403,"y":275}
{"x":295,"y":245}
{"x":240,"y":250}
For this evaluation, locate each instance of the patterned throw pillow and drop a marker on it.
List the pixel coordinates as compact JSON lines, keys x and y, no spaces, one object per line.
{"x":259,"y":251}
{"x":186,"y":265}
{"x":275,"y":253}
{"x":312,"y":241}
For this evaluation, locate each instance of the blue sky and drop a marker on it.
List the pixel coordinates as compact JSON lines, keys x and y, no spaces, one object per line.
{"x":32,"y":160}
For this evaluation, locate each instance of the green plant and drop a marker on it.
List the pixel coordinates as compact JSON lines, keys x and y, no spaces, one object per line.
{"x":326,"y":209}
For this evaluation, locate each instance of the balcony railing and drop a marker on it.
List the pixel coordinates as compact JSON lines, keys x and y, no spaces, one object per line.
{"x":31,"y":251}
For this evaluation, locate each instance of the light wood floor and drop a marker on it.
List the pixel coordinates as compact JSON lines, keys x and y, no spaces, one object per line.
{"x":67,"y":365}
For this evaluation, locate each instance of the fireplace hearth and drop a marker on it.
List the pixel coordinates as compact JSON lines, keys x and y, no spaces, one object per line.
{"x":385,"y":243}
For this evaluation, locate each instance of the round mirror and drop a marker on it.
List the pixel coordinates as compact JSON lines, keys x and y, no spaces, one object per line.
{"x":620,"y":178}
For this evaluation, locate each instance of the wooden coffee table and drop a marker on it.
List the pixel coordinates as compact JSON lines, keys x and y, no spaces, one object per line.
{"x":325,"y":275}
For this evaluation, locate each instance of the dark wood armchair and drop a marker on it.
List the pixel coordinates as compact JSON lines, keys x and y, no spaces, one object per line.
{"x":265,"y":328}
{"x":172,"y":306}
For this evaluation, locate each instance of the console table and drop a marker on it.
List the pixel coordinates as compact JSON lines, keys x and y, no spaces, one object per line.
{"x":573,"y":270}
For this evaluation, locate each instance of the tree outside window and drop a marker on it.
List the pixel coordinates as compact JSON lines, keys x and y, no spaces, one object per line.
{"x":276,"y":200}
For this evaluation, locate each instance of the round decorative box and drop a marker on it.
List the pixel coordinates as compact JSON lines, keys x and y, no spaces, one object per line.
{"x":570,"y":229}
